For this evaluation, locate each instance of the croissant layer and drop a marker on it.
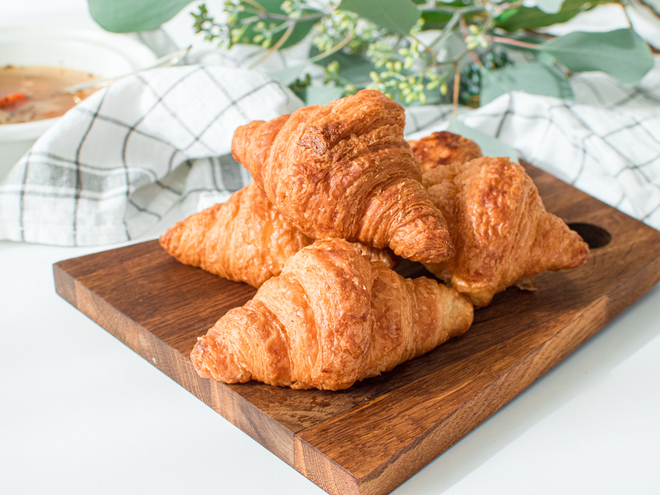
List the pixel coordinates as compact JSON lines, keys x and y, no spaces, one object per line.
{"x":443,"y":148}
{"x":500,"y":228}
{"x":245,"y":239}
{"x":344,"y":171}
{"x":330,"y":319}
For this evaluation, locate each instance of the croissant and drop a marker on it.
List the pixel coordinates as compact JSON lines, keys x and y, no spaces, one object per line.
{"x":329,"y":319}
{"x":245,"y":239}
{"x":443,"y":148}
{"x":499,"y":226}
{"x":345,"y":171}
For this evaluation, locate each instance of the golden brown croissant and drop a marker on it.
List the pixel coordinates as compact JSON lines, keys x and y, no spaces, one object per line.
{"x":345,"y":171}
{"x":499,"y":226}
{"x":443,"y":148}
{"x":331,"y":318}
{"x":245,"y":239}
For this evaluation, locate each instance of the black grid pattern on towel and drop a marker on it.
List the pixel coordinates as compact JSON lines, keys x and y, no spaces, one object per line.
{"x":512,"y":118}
{"x":74,"y":176}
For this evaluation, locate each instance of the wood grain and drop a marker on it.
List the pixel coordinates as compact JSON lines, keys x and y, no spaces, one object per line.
{"x":372,"y":437}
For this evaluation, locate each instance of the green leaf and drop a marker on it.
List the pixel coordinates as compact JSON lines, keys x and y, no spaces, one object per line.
{"x":321,"y":95}
{"x":288,"y":75}
{"x":397,"y":16}
{"x":527,"y":37}
{"x":621,"y":53}
{"x":127,"y":16}
{"x":489,"y":145}
{"x":545,"y":58}
{"x":435,"y":20}
{"x":534,"y":18}
{"x":535,"y":78}
{"x":299,"y":32}
{"x":507,"y":14}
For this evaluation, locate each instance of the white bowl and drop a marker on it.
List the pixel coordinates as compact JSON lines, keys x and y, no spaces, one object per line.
{"x":98,"y":52}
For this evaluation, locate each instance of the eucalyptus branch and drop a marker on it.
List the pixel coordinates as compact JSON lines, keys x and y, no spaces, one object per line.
{"x":256,"y":5}
{"x":431,"y":52}
{"x":250,"y":20}
{"x":457,"y":88}
{"x":463,"y":28}
{"x":332,"y":50}
{"x":459,"y":58}
{"x":276,"y":46}
{"x":407,"y":68}
{"x":488,"y":24}
{"x":464,"y":33}
{"x":518,"y":43}
{"x":281,"y":17}
{"x":446,"y":31}
{"x":302,"y":18}
{"x":446,"y":62}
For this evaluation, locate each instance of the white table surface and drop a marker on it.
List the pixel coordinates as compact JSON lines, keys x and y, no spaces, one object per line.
{"x":81,"y":413}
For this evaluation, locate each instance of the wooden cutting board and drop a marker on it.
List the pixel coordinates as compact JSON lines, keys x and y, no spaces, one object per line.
{"x":372,"y":437}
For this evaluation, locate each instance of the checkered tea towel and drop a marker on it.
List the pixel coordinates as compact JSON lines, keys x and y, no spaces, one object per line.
{"x":117,"y":163}
{"x":606,"y":142}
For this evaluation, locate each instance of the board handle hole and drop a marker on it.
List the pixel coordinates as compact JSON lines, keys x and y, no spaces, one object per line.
{"x":593,"y":235}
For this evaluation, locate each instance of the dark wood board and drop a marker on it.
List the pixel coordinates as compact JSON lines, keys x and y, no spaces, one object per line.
{"x":371,"y":438}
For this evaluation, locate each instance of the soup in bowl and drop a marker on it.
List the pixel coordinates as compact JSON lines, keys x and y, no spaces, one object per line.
{"x":89,"y":53}
{"x":38,"y":92}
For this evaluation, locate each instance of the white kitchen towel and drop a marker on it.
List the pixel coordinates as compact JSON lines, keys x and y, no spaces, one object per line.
{"x":117,"y":163}
{"x":606,"y":143}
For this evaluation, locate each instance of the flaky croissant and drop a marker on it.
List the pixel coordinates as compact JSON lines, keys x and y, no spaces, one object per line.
{"x":245,"y":239}
{"x":443,"y":148}
{"x":344,"y":170}
{"x":499,"y":226}
{"x":329,"y":319}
